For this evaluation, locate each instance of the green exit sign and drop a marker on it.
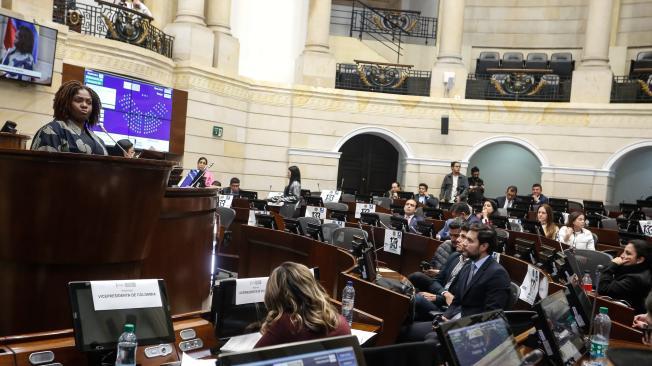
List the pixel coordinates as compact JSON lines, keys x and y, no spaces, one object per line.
{"x":217,"y":131}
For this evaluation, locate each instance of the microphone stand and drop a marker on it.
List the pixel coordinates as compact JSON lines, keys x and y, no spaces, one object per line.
{"x":101,"y":125}
{"x":200,"y":175}
{"x":373,"y":244}
{"x":598,"y":269}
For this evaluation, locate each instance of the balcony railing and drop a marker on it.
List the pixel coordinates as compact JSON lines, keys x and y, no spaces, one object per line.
{"x":108,"y":20}
{"x":628,"y":89}
{"x":521,"y":86}
{"x":382,"y":78}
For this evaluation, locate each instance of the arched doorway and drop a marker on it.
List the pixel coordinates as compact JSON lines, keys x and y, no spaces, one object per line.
{"x":506,"y":163}
{"x":368,"y":164}
{"x":632,"y":174}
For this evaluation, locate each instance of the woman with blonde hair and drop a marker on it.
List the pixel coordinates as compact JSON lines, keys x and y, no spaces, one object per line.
{"x":547,"y":220}
{"x":298,"y":308}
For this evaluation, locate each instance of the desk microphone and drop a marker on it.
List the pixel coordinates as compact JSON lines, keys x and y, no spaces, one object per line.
{"x":101,"y":125}
{"x":319,"y":189}
{"x":373,"y":243}
{"x":598,"y":270}
{"x":341,"y":184}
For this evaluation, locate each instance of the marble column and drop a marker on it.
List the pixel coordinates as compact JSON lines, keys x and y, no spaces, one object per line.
{"x":162,"y":11}
{"x":193,"y":41}
{"x":592,"y":78}
{"x":449,"y":73}
{"x":41,"y":10}
{"x":316,"y":65}
{"x":226,"y":50}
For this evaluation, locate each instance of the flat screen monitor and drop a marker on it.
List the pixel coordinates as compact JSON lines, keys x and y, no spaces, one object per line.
{"x":132,"y":109}
{"x":27,"y":52}
{"x":399,"y":223}
{"x":99,"y":330}
{"x":250,"y":195}
{"x":580,"y":305}
{"x":560,"y":333}
{"x":482,"y":339}
{"x":405,"y":195}
{"x":231,"y":319}
{"x":335,"y":351}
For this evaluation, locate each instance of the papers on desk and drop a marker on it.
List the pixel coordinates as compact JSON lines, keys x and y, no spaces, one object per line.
{"x":190,"y":361}
{"x":362,"y":335}
{"x":241,"y":343}
{"x":386,"y":270}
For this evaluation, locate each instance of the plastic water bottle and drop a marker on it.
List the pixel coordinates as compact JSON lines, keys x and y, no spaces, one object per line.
{"x":587,"y":283}
{"x":348,"y":299}
{"x":600,"y":337}
{"x":127,"y":344}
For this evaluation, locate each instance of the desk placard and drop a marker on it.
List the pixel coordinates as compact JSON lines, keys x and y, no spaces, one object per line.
{"x":530,"y":285}
{"x":224,"y":200}
{"x":646,"y":227}
{"x":250,"y":290}
{"x":393,"y":239}
{"x":125,"y":294}
{"x":364,"y":208}
{"x":316,"y":212}
{"x":331,"y":221}
{"x":330,"y":196}
{"x":252,"y":216}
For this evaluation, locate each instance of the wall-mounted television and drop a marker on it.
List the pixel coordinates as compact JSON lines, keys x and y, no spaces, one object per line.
{"x":27,"y":51}
{"x":132,"y":109}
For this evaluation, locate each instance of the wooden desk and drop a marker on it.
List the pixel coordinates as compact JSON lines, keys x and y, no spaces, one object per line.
{"x":13,"y":141}
{"x":184,"y":236}
{"x":80,"y":217}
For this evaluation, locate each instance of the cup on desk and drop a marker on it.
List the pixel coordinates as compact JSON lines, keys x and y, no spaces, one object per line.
{"x":647,"y":335}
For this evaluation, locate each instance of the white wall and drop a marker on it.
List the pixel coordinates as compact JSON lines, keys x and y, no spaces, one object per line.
{"x":633,"y":176}
{"x":272,"y":35}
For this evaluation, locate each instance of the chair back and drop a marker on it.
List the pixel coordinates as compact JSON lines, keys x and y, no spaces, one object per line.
{"x":536,"y":60}
{"x":288,"y":210}
{"x":336,"y":206}
{"x":512,"y":60}
{"x":343,"y":237}
{"x":514,"y":293}
{"x":644,"y":56}
{"x":385,"y":218}
{"x":610,"y":224}
{"x":589,"y":260}
{"x":403,"y":354}
{"x":384,"y":202}
{"x":226,"y":216}
{"x":327,"y":231}
{"x":487,"y":59}
{"x":348,"y":197}
{"x":304,"y":221}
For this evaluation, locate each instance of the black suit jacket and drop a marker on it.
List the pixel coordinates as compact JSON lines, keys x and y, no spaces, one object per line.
{"x":500,"y":201}
{"x":444,"y":275}
{"x":489,"y":290}
{"x":413,"y":223}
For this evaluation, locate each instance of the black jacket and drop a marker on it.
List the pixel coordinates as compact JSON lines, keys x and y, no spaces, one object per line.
{"x":629,"y":283}
{"x":489,"y":290}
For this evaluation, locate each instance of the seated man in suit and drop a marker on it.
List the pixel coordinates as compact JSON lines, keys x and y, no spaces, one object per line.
{"x":507,"y":201}
{"x":410,"y":215}
{"x":432,"y":285}
{"x":538,"y":198}
{"x":233,"y":188}
{"x":483,"y":284}
{"x":460,"y":211}
{"x":426,"y":198}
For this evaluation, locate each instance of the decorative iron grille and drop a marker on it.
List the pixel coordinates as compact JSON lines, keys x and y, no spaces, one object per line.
{"x":382,"y":78}
{"x":519,"y":86}
{"x":393,"y":22}
{"x":108,"y":20}
{"x":627,"y":89}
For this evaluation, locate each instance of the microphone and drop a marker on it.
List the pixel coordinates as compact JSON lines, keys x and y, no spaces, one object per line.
{"x":341,"y":184}
{"x":101,"y":125}
{"x":532,"y":358}
{"x":199,"y":176}
{"x":270,"y":187}
{"x":373,"y":243}
{"x":598,"y":270}
{"x":319,"y":189}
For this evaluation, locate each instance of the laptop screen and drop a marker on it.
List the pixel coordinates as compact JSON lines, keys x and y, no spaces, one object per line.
{"x":562,"y":327}
{"x":487,"y":343}
{"x":344,"y":356}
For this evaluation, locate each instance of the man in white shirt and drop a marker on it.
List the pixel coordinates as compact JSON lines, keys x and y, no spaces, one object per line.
{"x":455,"y":186}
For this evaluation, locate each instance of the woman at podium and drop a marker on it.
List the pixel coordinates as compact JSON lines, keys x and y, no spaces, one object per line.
{"x":200,"y":177}
{"x":76,"y":110}
{"x":298,"y":308}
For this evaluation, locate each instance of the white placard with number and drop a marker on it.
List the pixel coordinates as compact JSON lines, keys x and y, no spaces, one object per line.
{"x":316,"y":212}
{"x":330,"y":196}
{"x":646,"y":226}
{"x":224,"y":200}
{"x":125,"y":294}
{"x":393,"y":239}
{"x":364,"y":208}
{"x":252,"y":217}
{"x":331,"y":221}
{"x":530,"y":285}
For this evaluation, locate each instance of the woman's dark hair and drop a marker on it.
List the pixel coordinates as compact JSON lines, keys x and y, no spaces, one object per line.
{"x":494,"y":205}
{"x":572,"y":217}
{"x":295,"y":174}
{"x":63,"y":99}
{"x":642,"y":250}
{"x":125,"y":144}
{"x":202,"y":158}
{"x":25,"y":41}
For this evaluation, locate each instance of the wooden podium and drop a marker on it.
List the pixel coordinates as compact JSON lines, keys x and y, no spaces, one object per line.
{"x":13,"y":141}
{"x":70,"y":217}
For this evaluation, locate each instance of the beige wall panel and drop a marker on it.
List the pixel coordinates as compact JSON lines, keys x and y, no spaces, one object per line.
{"x":216,"y":114}
{"x":305,"y":141}
{"x":260,"y":184}
{"x":269,"y":122}
{"x":313,"y":160}
{"x":267,"y":137}
{"x":264,"y":152}
{"x":525,"y":3}
{"x":269,"y":168}
{"x":212,"y":98}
